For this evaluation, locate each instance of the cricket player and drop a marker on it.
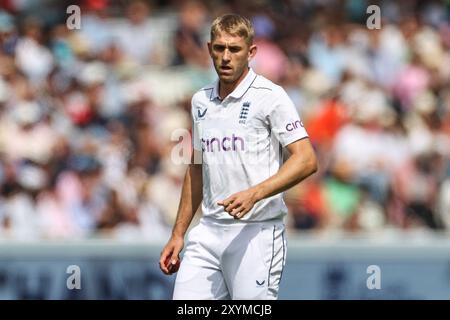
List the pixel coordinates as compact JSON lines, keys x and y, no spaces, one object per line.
{"x":240,"y":125}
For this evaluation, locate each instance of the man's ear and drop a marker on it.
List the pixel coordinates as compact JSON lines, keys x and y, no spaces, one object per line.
{"x":252,"y":51}
{"x":209,"y":48}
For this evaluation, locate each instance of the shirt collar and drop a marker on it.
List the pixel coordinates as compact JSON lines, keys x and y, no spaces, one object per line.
{"x":239,"y":90}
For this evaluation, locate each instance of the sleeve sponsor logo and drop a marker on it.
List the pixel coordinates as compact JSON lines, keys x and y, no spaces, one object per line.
{"x":294,"y":125}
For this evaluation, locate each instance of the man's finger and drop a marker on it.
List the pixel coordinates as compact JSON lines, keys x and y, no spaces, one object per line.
{"x":174,"y":266}
{"x":232,"y":206}
{"x":235,"y":211}
{"x":243,"y":212}
{"x":163,"y":263}
{"x":174,"y":262}
{"x":174,"y":258}
{"x":226,"y":202}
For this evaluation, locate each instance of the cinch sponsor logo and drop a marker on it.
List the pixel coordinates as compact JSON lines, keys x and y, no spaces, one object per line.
{"x":232,"y":143}
{"x":294,"y":125}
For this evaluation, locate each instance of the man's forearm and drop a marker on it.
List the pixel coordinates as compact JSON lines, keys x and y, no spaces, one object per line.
{"x":191,"y":197}
{"x":294,"y":170}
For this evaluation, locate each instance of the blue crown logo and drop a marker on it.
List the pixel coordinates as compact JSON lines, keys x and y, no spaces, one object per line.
{"x":244,"y":112}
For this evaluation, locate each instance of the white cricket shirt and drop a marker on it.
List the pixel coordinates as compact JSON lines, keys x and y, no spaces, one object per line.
{"x":241,"y":139}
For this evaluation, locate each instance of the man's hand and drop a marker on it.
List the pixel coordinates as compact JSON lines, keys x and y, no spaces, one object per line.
{"x":169,"y":261}
{"x":239,"y":204}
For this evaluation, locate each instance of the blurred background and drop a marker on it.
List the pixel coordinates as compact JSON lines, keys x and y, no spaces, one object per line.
{"x":87,"y":116}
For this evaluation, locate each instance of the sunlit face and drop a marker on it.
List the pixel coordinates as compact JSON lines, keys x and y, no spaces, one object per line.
{"x":230,"y":55}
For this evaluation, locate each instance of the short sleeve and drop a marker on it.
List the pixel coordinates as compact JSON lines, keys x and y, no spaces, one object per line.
{"x":284,"y":121}
{"x":196,"y":143}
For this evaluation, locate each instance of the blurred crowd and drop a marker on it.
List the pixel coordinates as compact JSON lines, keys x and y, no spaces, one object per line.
{"x":87,"y":116}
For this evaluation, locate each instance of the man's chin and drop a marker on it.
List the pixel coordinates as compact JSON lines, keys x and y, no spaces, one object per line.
{"x":227,"y":78}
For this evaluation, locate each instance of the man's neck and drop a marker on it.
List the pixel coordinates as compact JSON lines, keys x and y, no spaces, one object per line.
{"x":226,"y":88}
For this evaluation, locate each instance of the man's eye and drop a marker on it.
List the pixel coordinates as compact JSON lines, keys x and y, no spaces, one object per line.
{"x":219,"y":48}
{"x":235,"y":49}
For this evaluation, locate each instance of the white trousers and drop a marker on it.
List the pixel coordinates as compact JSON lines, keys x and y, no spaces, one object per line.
{"x":232,"y":260}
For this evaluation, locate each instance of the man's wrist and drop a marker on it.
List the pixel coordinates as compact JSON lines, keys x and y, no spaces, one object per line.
{"x":259,"y":193}
{"x":177,"y":234}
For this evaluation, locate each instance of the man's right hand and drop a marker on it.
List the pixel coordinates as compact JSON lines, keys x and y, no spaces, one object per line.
{"x":169,"y":261}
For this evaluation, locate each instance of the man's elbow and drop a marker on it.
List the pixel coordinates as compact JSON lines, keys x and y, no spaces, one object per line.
{"x":312,"y":166}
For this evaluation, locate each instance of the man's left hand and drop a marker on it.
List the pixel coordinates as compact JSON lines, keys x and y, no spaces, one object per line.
{"x":239,"y":204}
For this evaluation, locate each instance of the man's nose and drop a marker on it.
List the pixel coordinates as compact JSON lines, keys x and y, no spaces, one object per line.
{"x":226,"y":55}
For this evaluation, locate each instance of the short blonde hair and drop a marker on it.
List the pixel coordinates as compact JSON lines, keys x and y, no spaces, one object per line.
{"x":234,"y":25}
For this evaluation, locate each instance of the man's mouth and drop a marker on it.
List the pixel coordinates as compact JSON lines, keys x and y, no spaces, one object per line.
{"x":225,"y":68}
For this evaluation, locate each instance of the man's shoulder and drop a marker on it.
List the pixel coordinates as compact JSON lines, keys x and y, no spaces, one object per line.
{"x":270,"y":93}
{"x":266,"y":86}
